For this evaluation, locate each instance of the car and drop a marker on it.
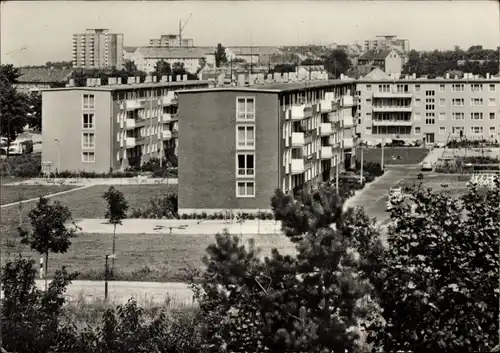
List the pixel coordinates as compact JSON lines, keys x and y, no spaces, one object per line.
{"x":351,"y":177}
{"x":426,"y":166}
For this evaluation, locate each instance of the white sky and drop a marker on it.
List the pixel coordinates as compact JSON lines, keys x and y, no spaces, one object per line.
{"x":37,"y":32}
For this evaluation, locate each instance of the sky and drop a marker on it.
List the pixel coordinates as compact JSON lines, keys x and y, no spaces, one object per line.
{"x":34,"y":32}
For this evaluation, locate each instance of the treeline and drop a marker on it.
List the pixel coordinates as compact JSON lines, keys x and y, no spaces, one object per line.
{"x":475,"y":60}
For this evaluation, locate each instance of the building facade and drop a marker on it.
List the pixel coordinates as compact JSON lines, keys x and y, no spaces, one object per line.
{"x":387,"y":60}
{"x":430,"y":110}
{"x":98,"y":49}
{"x":111,"y":127}
{"x":239,"y":144}
{"x":387,"y":42}
{"x":171,"y":40}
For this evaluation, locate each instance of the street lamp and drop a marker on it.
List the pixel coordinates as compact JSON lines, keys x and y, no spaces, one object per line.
{"x":106,"y":274}
{"x":58,"y":156}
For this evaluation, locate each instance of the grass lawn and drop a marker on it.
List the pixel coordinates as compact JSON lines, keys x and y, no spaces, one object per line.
{"x":84,"y":203}
{"x":407,"y":155}
{"x":15,"y":193}
{"x":145,"y":257}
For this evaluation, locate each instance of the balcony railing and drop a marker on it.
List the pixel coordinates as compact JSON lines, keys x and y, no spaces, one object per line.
{"x":326,"y":105}
{"x":394,"y":108}
{"x":166,"y":117}
{"x":130,"y":123}
{"x":348,"y":142}
{"x":297,"y":166}
{"x":130,"y":142}
{"x":333,"y":117}
{"x":168,"y":99}
{"x":347,"y":101}
{"x":332,"y":141}
{"x":326,"y":129}
{"x":326,"y":152}
{"x":297,"y":139}
{"x":132,"y":104}
{"x":166,"y":135}
{"x":348,"y":121}
{"x":298,"y":112}
{"x":245,"y":172}
{"x":392,"y":122}
{"x":392,"y":94}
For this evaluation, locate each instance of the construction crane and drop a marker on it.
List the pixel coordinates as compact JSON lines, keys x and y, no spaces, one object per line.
{"x":181,"y":28}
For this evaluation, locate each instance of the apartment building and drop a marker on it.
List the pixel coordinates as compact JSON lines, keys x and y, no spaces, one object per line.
{"x":387,"y":42}
{"x":97,"y":49}
{"x":171,"y":40}
{"x":430,"y":110}
{"x":388,"y":61}
{"x":240,"y":143}
{"x":101,"y":128}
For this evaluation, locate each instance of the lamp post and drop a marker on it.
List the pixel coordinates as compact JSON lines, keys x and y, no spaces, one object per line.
{"x":361,"y":145}
{"x":382,"y":158}
{"x":58,"y":156}
{"x":106,"y":275}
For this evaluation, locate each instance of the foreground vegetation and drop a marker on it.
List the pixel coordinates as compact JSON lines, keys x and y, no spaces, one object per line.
{"x":342,"y":292}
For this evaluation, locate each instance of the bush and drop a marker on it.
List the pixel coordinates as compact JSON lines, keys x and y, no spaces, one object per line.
{"x":25,"y":166}
{"x":159,"y":207}
{"x":464,"y":143}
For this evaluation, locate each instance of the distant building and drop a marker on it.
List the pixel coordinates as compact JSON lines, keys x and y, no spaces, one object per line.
{"x":98,"y":128}
{"x":35,"y":79}
{"x":305,"y":70}
{"x":387,"y":42}
{"x":171,"y":40}
{"x":97,"y":49}
{"x":387,"y":60}
{"x":146,"y":58}
{"x":254,"y":54}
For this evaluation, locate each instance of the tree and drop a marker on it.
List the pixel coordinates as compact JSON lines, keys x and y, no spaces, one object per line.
{"x":220,"y":55}
{"x":14,"y":106}
{"x":130,"y":66}
{"x":50,"y":232}
{"x":281,"y":68}
{"x":202,"y":62}
{"x":35,"y":115}
{"x":162,"y":68}
{"x":441,"y":273}
{"x":179,"y":69}
{"x":116,"y":211}
{"x":30,"y":317}
{"x":312,"y":302}
{"x":337,"y":62}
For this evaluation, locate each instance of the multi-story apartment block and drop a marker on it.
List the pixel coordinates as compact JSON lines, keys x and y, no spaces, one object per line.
{"x":430,"y":110}
{"x":387,"y":42}
{"x":240,"y":143}
{"x":102,"y":128}
{"x":97,"y":49}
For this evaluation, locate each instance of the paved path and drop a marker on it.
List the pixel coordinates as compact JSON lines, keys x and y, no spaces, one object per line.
{"x":46,"y":196}
{"x":120,"y":292}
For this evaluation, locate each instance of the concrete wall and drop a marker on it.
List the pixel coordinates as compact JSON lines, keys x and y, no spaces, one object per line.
{"x":207,"y":150}
{"x":62,"y":119}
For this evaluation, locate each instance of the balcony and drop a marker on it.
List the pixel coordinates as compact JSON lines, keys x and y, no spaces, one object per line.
{"x":174,"y":117}
{"x":326,"y":152}
{"x":333,"y":117}
{"x":347,"y":101}
{"x":166,"y":135}
{"x":333,"y":142}
{"x":132,"y":104}
{"x":130,"y":142}
{"x":348,"y":121}
{"x":297,"y":166}
{"x":384,"y":109}
{"x":326,"y":129}
{"x":392,"y":122}
{"x":169,"y":99}
{"x":298,"y":112}
{"x":297,"y":139}
{"x":326,"y":105}
{"x":392,"y":94}
{"x":348,"y":142}
{"x":166,"y":117}
{"x":130,"y":124}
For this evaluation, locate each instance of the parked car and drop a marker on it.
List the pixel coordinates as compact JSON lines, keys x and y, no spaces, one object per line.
{"x":395,"y":195}
{"x":351,"y":177}
{"x":427,"y":166}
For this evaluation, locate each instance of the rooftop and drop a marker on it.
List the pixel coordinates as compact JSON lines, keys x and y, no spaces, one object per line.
{"x":44,"y":75}
{"x":375,"y":55}
{"x":254,"y":50}
{"x":125,"y":86}
{"x":173,"y":52}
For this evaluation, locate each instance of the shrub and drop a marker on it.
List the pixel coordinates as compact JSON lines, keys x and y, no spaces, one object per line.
{"x":26,"y":166}
{"x":165,"y":206}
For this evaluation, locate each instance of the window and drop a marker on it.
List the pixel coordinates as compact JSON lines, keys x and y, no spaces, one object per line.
{"x":417,"y":88}
{"x":492,"y":116}
{"x":88,"y":157}
{"x":458,"y":116}
{"x":476,"y":101}
{"x":246,"y":109}
{"x":368,"y":130}
{"x":418,"y":116}
{"x":492,"y":102}
{"x":442,"y":116}
{"x":88,"y":101}
{"x":245,"y":189}
{"x":369,"y":88}
{"x":457,"y":102}
{"x":442,"y":130}
{"x":417,"y":129}
{"x":457,"y":87}
{"x":245,"y":136}
{"x":477,"y":129}
{"x":441,"y":88}
{"x":442,"y":102}
{"x":429,"y":93}
{"x":88,"y":140}
{"x":492,"y":88}
{"x":476,"y":87}
{"x":429,"y":119}
{"x":88,"y":121}
{"x":384,"y":88}
{"x":369,"y":101}
{"x":492,"y":130}
{"x":476,"y":116}
{"x":417,"y":102}
{"x":246,"y":164}
{"x":457,"y":129}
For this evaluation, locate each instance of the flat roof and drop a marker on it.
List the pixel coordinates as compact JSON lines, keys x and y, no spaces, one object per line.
{"x":432,"y":80}
{"x":126,"y":86}
{"x":276,"y":87}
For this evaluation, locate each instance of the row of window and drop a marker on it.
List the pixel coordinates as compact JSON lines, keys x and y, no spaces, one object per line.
{"x":459,"y":87}
{"x":418,"y":116}
{"x":406,"y":130}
